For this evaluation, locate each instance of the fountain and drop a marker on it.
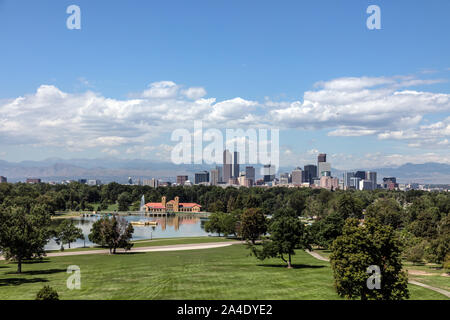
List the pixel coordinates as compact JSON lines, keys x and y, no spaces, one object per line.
{"x":142,"y":206}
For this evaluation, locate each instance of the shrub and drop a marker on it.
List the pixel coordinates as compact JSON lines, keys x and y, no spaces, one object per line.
{"x":47,"y":293}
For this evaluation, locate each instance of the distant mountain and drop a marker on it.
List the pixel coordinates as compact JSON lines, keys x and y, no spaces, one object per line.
{"x":112,"y":169}
{"x":430,"y":172}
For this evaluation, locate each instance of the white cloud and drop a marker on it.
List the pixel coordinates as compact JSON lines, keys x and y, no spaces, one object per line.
{"x":162,"y":89}
{"x":344,"y":106}
{"x":194,"y":93}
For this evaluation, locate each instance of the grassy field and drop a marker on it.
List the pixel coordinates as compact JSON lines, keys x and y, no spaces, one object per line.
{"x":430,"y":274}
{"x":219,"y":273}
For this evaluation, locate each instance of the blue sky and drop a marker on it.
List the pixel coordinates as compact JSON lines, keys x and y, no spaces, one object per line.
{"x":269,"y":53}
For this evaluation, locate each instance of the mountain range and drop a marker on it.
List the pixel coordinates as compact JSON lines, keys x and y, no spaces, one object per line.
{"x":113,"y":169}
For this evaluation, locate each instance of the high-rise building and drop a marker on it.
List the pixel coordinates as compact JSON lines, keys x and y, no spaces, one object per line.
{"x":201,"y":177}
{"x":347,"y":181}
{"x":297,"y":176}
{"x":235,"y":164}
{"x":322,"y":165}
{"x":354,"y":182}
{"x":182,"y":179}
{"x":284,"y":178}
{"x":310,"y":173}
{"x":130,"y":181}
{"x":214,"y":176}
{"x":360,"y":174}
{"x":250,"y":174}
{"x":390,"y":183}
{"x":3,"y":179}
{"x":269,"y":173}
{"x":227,"y":166}
{"x":329,"y":183}
{"x":365,"y":185}
{"x":154,"y":183}
{"x":324,"y":169}
{"x":322,"y":157}
{"x":372,"y":177}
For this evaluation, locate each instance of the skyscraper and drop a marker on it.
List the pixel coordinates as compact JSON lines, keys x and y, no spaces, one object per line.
{"x":323,"y":165}
{"x":250,"y":174}
{"x":310,"y":173}
{"x":214,"y":177}
{"x":269,"y":173}
{"x":227,"y":167}
{"x":235,"y":164}
{"x":360,"y":174}
{"x":322,"y":157}
{"x":372,"y":177}
{"x":347,"y":181}
{"x":297,"y":176}
{"x":182,"y":179}
{"x":3,"y":179}
{"x":200,"y":177}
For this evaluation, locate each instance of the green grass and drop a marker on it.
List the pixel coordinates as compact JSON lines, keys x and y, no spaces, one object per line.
{"x":219,"y":273}
{"x":434,"y":277}
{"x":324,"y":252}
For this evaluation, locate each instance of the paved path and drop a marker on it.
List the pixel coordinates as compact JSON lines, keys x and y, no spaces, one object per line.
{"x":317,"y":256}
{"x":442,"y":291}
{"x":173,"y":247}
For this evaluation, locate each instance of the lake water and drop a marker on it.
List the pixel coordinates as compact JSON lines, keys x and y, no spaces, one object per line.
{"x":180,"y":225}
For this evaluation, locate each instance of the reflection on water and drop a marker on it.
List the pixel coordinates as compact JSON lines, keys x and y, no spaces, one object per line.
{"x":180,"y":225}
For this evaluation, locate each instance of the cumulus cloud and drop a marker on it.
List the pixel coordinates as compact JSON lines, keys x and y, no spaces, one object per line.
{"x":382,"y":106}
{"x":365,"y":106}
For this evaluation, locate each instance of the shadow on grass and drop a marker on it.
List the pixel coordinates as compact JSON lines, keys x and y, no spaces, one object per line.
{"x":35,"y":261}
{"x":19,"y":281}
{"x":294,"y":266}
{"x":126,"y":253}
{"x":38,"y":272}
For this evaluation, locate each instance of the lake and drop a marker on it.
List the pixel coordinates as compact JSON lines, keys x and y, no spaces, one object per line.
{"x":180,"y":225}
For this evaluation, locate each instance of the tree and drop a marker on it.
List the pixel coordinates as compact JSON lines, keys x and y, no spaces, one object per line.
{"x":220,"y":222}
{"x":287,"y":233}
{"x":349,"y":207}
{"x":416,"y":253}
{"x":253,"y":224}
{"x":66,"y":232}
{"x":112,"y":233}
{"x":328,"y":229}
{"x":24,"y":233}
{"x":124,"y":201}
{"x":387,"y":211}
{"x":360,"y":247}
{"x":47,"y":293}
{"x":440,"y":246}
{"x":426,"y":223}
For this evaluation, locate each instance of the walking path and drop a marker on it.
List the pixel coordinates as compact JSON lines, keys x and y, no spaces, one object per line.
{"x":441,"y":291}
{"x":173,"y":247}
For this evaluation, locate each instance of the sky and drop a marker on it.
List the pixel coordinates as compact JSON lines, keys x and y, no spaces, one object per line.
{"x":138,"y":70}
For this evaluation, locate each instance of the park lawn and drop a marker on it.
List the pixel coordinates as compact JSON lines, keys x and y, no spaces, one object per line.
{"x":323,"y":252}
{"x":433,"y":276}
{"x":219,"y":273}
{"x":156,"y":242}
